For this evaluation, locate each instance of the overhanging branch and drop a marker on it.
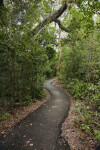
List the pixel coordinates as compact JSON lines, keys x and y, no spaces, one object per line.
{"x":50,"y":18}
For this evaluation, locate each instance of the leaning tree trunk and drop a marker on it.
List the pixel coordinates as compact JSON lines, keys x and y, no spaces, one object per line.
{"x":49,"y":19}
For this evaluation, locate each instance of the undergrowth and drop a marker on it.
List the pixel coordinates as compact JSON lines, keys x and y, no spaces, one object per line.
{"x":87,"y":97}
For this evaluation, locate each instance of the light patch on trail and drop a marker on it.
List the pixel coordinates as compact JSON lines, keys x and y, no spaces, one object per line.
{"x":56,"y":92}
{"x":54,"y":106}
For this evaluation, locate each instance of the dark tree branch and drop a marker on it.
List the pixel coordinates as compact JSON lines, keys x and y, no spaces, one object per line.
{"x":50,"y":18}
{"x":61,"y":26}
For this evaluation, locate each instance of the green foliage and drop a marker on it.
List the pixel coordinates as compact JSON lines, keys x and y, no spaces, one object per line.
{"x":80,"y":63}
{"x":87,"y":123}
{"x":24,"y":57}
{"x":78,"y":88}
{"x":4,"y":115}
{"x":50,"y":69}
{"x":80,"y":66}
{"x":86,"y":127}
{"x":97,"y":135}
{"x":50,"y":52}
{"x":84,"y":113}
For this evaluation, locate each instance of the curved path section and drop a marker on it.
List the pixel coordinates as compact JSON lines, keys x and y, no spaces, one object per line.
{"x":41,"y":129}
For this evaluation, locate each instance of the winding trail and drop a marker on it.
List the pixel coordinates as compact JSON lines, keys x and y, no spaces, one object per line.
{"x":41,"y":129}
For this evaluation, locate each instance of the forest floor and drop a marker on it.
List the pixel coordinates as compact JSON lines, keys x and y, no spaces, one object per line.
{"x":41,"y":129}
{"x":76,"y":138}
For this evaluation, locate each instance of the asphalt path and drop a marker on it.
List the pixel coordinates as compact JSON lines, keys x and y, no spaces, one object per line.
{"x":41,"y":130}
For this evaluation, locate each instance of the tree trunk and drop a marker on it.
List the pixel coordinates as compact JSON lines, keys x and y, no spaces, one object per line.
{"x":60,"y":59}
{"x":60,"y":47}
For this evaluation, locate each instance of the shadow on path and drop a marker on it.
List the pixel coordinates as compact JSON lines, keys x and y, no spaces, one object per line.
{"x":41,"y":129}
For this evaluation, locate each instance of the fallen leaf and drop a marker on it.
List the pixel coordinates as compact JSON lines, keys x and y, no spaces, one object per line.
{"x":27,"y":142}
{"x":24,"y":136}
{"x":31,"y":144}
